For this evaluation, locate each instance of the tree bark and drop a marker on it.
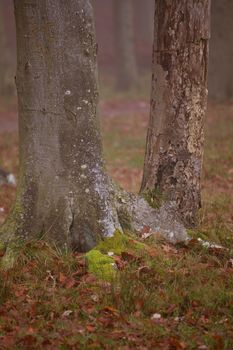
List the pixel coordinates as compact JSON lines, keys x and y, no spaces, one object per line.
{"x":126,"y":66}
{"x":63,"y":190}
{"x":64,"y":194}
{"x":174,"y":147}
{"x":221,"y":50}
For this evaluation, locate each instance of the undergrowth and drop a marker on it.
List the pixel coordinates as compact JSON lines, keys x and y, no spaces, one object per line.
{"x":161,"y":296}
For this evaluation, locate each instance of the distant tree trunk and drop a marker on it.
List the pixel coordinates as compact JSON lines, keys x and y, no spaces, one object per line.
{"x":64,"y":194}
{"x":174,"y":149}
{"x":221,"y":50}
{"x":3,"y":63}
{"x":145,"y":14}
{"x":126,"y":67}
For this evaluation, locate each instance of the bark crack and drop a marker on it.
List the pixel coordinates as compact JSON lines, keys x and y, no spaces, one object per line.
{"x":71,"y":217}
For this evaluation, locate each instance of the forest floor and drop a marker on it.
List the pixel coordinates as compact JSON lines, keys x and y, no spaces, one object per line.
{"x":161,"y":296}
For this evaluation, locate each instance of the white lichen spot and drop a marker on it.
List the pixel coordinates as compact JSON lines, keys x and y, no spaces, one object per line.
{"x":85,"y":102}
{"x":68,"y":92}
{"x":87,"y":190}
{"x":11,"y":179}
{"x":83,"y":166}
{"x":83,"y":176}
{"x":79,"y":108}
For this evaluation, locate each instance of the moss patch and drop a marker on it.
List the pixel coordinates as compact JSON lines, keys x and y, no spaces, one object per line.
{"x":119,"y":243}
{"x":101,"y":265}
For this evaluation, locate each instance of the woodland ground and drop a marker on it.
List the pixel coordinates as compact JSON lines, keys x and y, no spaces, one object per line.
{"x":162,"y":297}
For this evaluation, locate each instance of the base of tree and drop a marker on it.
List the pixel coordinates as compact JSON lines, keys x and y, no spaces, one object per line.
{"x":131,"y":213}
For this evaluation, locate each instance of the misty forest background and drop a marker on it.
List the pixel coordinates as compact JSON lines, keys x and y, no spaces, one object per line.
{"x":192,"y":307}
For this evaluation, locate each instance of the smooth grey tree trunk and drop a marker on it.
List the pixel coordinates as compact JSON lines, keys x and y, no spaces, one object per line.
{"x":125,"y":55}
{"x":64,"y":194}
{"x":221,"y":50}
{"x":63,"y":190}
{"x":174,"y":149}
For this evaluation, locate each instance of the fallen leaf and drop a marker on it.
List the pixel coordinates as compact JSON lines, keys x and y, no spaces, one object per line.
{"x":90,"y":328}
{"x":62,"y":277}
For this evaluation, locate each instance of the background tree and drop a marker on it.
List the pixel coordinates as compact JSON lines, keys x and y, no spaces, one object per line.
{"x":174,"y":147}
{"x":64,"y":194}
{"x":221,"y":50}
{"x":145,"y":13}
{"x":3,"y":56}
{"x":125,"y":57}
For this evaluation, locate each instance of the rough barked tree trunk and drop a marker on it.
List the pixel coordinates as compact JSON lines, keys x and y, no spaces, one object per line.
{"x":174,"y":147}
{"x":64,"y":194}
{"x":221,"y":50}
{"x":125,"y":56}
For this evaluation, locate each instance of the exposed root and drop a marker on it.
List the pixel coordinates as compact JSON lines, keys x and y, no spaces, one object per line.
{"x":135,"y":213}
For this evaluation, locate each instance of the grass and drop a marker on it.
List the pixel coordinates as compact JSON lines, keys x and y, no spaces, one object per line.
{"x":162,"y":297}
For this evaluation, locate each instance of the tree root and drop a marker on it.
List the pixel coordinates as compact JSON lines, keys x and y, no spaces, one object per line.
{"x":135,"y":214}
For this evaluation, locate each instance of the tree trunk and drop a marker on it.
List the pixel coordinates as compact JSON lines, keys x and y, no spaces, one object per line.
{"x":221,"y":50}
{"x":145,"y":12}
{"x":64,"y":194}
{"x":63,"y":190}
{"x":126,"y":67}
{"x":174,"y":147}
{"x":3,"y":63}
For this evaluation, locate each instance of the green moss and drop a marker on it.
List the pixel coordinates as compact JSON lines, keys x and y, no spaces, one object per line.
{"x":154,"y":198}
{"x":101,"y":265}
{"x":119,"y":243}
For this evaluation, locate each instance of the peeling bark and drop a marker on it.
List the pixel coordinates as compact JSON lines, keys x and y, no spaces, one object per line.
{"x":64,"y":194}
{"x":174,"y":147}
